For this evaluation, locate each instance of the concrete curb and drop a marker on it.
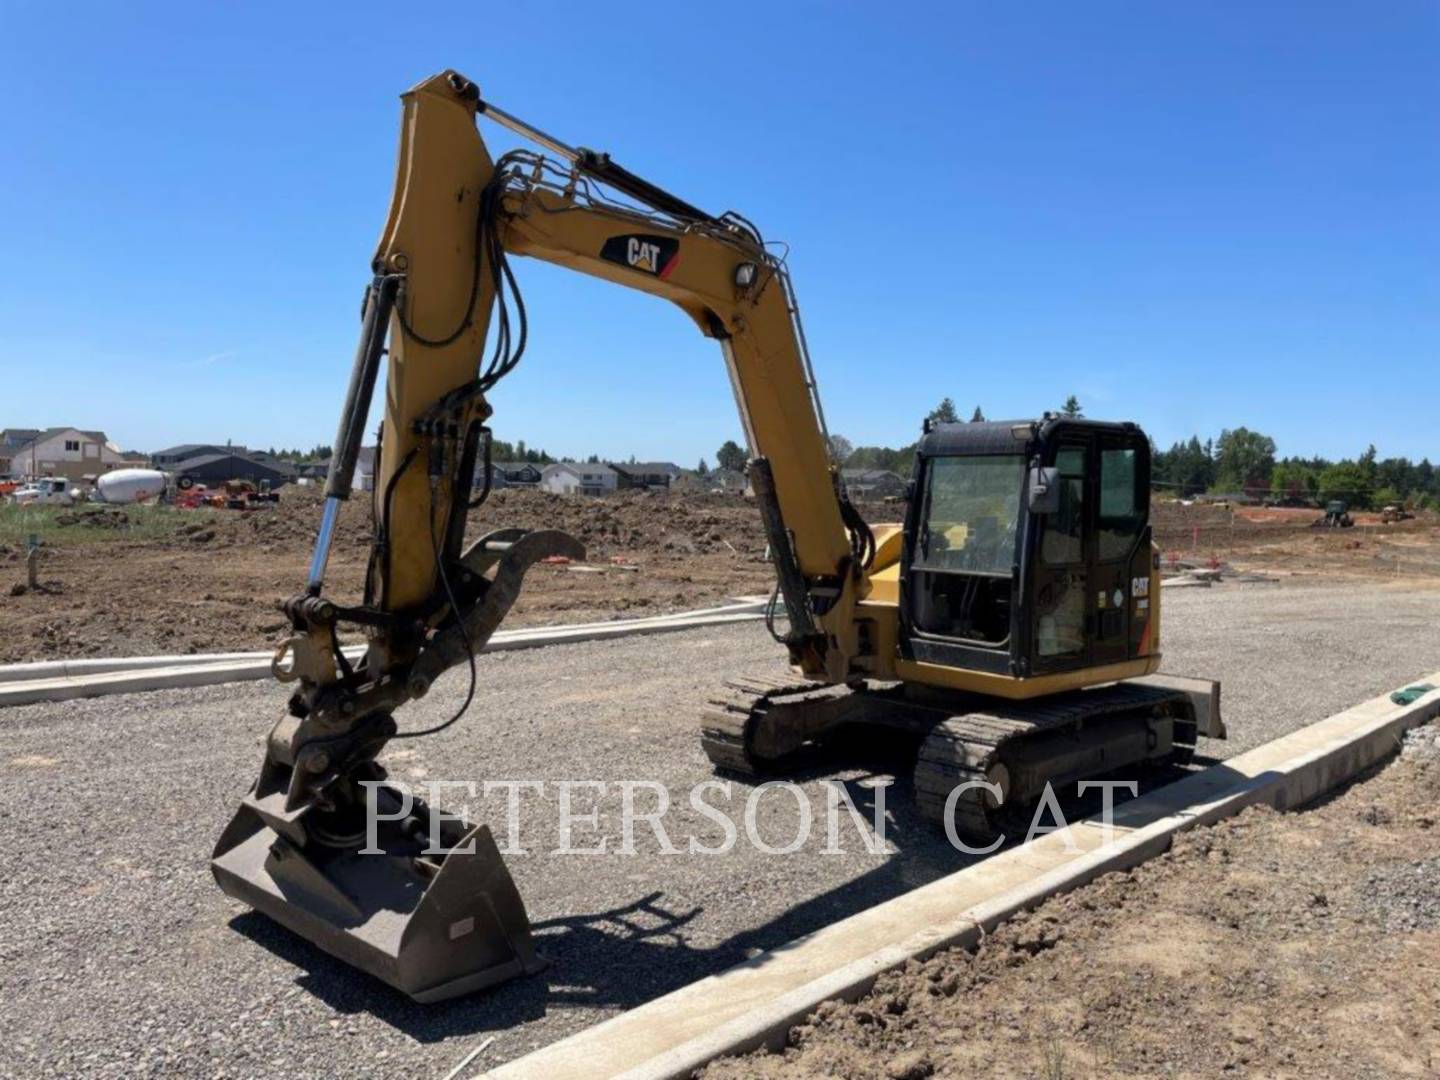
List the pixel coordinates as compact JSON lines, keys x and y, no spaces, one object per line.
{"x":756,"y":1003}
{"x":62,"y":669}
{"x":74,"y":680}
{"x":76,"y":669}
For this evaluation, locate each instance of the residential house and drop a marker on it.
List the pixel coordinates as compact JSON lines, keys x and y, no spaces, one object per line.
{"x":58,"y":451}
{"x":518,"y":474}
{"x":646,"y":474}
{"x":579,"y":477}
{"x":17,"y":436}
{"x":873,"y":483}
{"x":365,"y":464}
{"x":497,"y":476}
{"x":11,"y":439}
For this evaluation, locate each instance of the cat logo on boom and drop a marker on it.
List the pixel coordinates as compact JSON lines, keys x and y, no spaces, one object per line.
{"x":642,"y":254}
{"x":650,"y":254}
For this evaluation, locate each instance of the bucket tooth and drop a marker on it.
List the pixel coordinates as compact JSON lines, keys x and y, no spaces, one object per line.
{"x":434,"y":927}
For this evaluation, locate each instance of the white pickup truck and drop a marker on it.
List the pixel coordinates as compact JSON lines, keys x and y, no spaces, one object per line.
{"x":51,"y":491}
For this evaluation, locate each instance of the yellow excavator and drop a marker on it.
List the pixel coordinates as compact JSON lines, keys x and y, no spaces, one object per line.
{"x":1010,"y":624}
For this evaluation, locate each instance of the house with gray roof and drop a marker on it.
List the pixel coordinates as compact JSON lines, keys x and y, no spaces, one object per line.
{"x":873,"y":483}
{"x":646,"y":474}
{"x":517,"y":474}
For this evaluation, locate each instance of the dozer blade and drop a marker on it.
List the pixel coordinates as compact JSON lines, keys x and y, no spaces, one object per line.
{"x":433,"y":926}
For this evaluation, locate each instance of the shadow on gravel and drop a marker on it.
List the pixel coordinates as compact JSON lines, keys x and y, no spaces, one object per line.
{"x":621,"y":957}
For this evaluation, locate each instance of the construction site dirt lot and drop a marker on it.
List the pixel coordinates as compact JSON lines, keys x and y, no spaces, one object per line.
{"x":1270,"y":944}
{"x":121,"y":958}
{"x":1286,"y":541}
{"x":151,"y":580}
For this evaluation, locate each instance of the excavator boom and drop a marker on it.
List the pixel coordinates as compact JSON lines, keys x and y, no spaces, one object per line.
{"x":440,"y":921}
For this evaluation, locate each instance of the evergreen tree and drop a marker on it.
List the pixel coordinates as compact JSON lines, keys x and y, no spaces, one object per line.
{"x":944,"y":413}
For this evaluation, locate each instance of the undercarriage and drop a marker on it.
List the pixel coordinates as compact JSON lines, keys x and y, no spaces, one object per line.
{"x":983,"y":763}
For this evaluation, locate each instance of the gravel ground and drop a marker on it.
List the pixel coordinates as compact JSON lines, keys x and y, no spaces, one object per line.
{"x":1268,"y":944}
{"x":121,"y":958}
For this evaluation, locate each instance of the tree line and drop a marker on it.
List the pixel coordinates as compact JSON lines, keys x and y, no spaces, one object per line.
{"x":900,"y":459}
{"x":1242,"y":461}
{"x":320,"y":452}
{"x":501,"y":450}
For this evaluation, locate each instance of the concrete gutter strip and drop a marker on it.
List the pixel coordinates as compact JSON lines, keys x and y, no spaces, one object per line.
{"x":531,"y":639}
{"x":57,"y":669}
{"x":756,"y":1003}
{"x":130,"y":682}
{"x":209,"y":670}
{"x":71,"y":669}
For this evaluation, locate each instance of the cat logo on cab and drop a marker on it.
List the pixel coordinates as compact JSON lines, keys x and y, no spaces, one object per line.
{"x":647,"y":253}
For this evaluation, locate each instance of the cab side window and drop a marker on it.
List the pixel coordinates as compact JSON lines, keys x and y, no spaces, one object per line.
{"x":1122,"y":504}
{"x":1063,"y":541}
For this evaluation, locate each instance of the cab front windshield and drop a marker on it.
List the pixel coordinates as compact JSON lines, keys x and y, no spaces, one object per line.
{"x":972,"y":511}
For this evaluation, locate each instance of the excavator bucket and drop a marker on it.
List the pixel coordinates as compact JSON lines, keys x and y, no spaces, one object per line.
{"x":423,"y":904}
{"x":434,"y":926}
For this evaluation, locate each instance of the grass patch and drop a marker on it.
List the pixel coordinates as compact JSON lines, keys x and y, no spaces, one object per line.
{"x":18,"y":523}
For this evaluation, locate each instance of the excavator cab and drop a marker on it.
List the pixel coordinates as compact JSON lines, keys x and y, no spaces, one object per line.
{"x":1027,"y":548}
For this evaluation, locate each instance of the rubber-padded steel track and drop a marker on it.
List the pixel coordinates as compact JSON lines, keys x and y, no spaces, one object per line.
{"x":730,"y":721}
{"x":964,"y":747}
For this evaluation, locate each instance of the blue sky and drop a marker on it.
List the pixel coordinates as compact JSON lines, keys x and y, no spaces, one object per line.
{"x":1190,"y":215}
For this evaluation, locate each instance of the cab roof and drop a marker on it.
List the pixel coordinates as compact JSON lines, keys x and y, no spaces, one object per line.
{"x":1006,"y":436}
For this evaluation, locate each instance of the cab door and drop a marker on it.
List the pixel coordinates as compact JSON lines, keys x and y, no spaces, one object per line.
{"x":1062,"y":598}
{"x":1121,"y":512}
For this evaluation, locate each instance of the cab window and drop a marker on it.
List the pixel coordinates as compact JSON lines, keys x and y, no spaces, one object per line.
{"x":972,"y":512}
{"x":1122,"y":508}
{"x":1063,"y":541}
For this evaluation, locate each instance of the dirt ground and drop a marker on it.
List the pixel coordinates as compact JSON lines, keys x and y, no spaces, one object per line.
{"x":1279,"y":945}
{"x":1284,"y":541}
{"x":122,"y":581}
{"x":210,"y":580}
